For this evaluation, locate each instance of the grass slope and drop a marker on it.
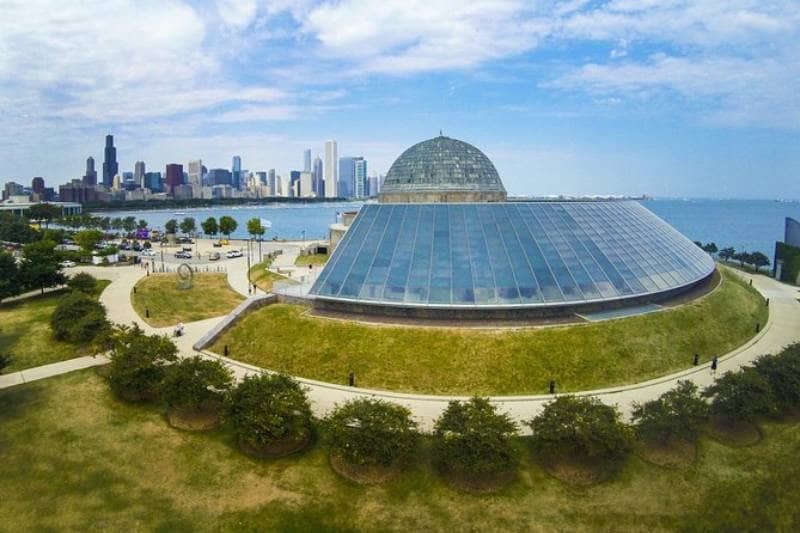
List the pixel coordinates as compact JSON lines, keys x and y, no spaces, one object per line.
{"x":209,"y":296}
{"x":450,"y":361}
{"x":264,"y":278}
{"x":25,"y":332}
{"x":76,"y":459}
{"x":313,"y":259}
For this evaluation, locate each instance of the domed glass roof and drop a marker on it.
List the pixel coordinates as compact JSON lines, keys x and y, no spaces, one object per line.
{"x":443,"y":165}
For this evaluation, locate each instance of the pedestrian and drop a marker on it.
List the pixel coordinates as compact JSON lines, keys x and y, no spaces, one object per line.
{"x":696,"y":359}
{"x":714,"y":366}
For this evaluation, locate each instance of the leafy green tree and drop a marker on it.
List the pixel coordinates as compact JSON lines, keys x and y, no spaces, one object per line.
{"x":726,"y":254}
{"x":210,"y":226}
{"x":255,"y":228}
{"x":43,"y":213}
{"x":129,"y":224}
{"x":78,"y":318}
{"x":677,"y":414}
{"x":711,"y":248}
{"x":40,"y":267}
{"x":104,"y":223}
{"x":116,"y":224}
{"x":698,"y":244}
{"x":88,"y":239}
{"x":83,"y":282}
{"x":171,"y":226}
{"x":742,"y":257}
{"x":372,"y":432}
{"x":758,"y":260}
{"x":741,"y":396}
{"x":782,"y":373}
{"x":269,"y":408}
{"x":142,"y":224}
{"x":227,"y":225}
{"x":16,"y":229}
{"x":138,"y":362}
{"x":188,"y":226}
{"x":581,"y":427}
{"x":195,"y":383}
{"x":10,"y":282}
{"x":472,"y":438}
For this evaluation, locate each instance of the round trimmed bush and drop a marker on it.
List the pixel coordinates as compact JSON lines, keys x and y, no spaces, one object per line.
{"x":677,"y":414}
{"x":741,"y":396}
{"x":138,"y":362}
{"x":83,"y":282}
{"x":195,"y":383}
{"x":782,"y":373}
{"x":270,"y":414}
{"x":368,"y":432}
{"x":78,"y":318}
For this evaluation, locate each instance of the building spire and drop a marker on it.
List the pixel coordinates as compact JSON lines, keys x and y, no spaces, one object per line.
{"x":440,"y":133}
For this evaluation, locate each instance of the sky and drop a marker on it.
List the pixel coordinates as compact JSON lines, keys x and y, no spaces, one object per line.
{"x":676,"y":98}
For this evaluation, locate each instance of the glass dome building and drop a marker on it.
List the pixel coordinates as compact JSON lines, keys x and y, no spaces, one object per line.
{"x":444,"y":243}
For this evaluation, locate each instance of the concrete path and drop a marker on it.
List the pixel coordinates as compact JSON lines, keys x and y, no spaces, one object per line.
{"x":47,"y":371}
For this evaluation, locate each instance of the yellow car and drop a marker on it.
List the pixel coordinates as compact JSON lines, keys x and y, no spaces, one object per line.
{"x":224,"y":242}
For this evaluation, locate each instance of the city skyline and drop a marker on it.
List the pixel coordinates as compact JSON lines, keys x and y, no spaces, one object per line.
{"x":691,"y":98}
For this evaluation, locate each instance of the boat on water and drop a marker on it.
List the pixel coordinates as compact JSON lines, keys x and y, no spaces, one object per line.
{"x":179,"y":214}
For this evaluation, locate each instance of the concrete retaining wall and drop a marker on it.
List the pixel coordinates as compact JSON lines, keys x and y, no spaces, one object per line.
{"x":250,"y":304}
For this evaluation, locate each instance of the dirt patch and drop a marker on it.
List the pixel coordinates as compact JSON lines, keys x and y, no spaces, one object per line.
{"x":479,"y":484}
{"x":194,"y":419}
{"x":277,"y":449}
{"x":581,"y":472}
{"x":676,"y":453}
{"x":735,"y":434}
{"x":363,"y":474}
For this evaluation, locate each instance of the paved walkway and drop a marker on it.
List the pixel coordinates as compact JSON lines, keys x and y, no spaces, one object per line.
{"x":47,"y":371}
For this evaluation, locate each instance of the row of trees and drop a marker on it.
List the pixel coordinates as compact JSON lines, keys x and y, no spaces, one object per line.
{"x":472,"y":443}
{"x":209,"y":226}
{"x":85,"y":221}
{"x":755,"y":259}
{"x":39,"y":269}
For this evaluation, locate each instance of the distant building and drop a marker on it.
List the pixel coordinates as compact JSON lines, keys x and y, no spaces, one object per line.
{"x":307,"y":161}
{"x":373,"y":186}
{"x":347,"y":175}
{"x":271,"y":183}
{"x":174,"y":177}
{"x":360,"y":178}
{"x":90,"y":178}
{"x":182,"y":192}
{"x":138,"y":174}
{"x":236,"y":172}
{"x":77,"y":191}
{"x":786,"y":264}
{"x":317,"y":182}
{"x":294,"y":180}
{"x":195,"y":177}
{"x":331,"y":170}
{"x":154,"y":181}
{"x":37,"y":185}
{"x":12,"y":189}
{"x":116,"y":183}
{"x":219,"y":176}
{"x":306,"y":185}
{"x":110,"y":165}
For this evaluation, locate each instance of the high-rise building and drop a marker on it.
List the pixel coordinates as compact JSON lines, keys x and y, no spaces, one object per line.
{"x":261,"y":178}
{"x":116,"y":183}
{"x":347,"y":176}
{"x":272,"y":183}
{"x":220,"y":176}
{"x":294,"y":183}
{"x":236,"y":172}
{"x":90,"y":178}
{"x":305,"y":185}
{"x":153,"y":181}
{"x":37,"y":185}
{"x":307,"y":160}
{"x":316,"y":177}
{"x":12,"y":189}
{"x":360,"y":178}
{"x":174,"y":177}
{"x":110,"y":165}
{"x":195,"y":177}
{"x":138,"y":174}
{"x":373,"y":186}
{"x":331,"y":171}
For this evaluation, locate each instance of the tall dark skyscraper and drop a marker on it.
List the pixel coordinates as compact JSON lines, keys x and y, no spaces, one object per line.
{"x":90,"y":178}
{"x":110,"y":166}
{"x":37,"y":185}
{"x":236,"y":172}
{"x":174,"y":176}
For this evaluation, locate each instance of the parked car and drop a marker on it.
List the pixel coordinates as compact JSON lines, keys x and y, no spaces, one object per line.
{"x":67,"y":264}
{"x":225,"y":242}
{"x":149,"y":252}
{"x":234,"y":253}
{"x":137,"y":247}
{"x":218,"y":244}
{"x":186,"y":248}
{"x":213,"y":256}
{"x":183,"y":255}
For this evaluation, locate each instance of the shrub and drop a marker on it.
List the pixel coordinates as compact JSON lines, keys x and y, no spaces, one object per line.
{"x":78,"y":318}
{"x":782,"y":373}
{"x":582,"y":427}
{"x":473,"y":438}
{"x":677,"y":414}
{"x":269,"y":408}
{"x":195,"y":383}
{"x":372,"y":432}
{"x":741,"y":396}
{"x":138,"y":362}
{"x":83,"y":282}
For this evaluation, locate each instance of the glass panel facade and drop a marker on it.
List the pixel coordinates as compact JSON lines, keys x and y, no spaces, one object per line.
{"x":513,"y":253}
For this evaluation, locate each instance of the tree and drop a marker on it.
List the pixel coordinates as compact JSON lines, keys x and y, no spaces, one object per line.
{"x":698,"y":244}
{"x":782,"y":373}
{"x":142,"y":224}
{"x":78,"y":318}
{"x":677,"y":414}
{"x":255,"y":228}
{"x":41,"y":268}
{"x":210,"y":226}
{"x":16,"y":229}
{"x":741,"y":396}
{"x":581,"y":427}
{"x":116,"y":224}
{"x":129,"y":224}
{"x":196,"y":384}
{"x":711,"y":248}
{"x":372,"y":432}
{"x":88,"y":239}
{"x":188,"y":226}
{"x":10,"y":282}
{"x":171,"y":226}
{"x":83,"y":282}
{"x":227,"y":225}
{"x":758,"y":260}
{"x":138,"y":362}
{"x":471,"y":438}
{"x":43,"y":212}
{"x":268,"y":409}
{"x":726,"y":254}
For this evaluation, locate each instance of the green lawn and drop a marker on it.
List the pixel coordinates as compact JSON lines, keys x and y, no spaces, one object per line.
{"x":74,"y":458}
{"x":522,"y":361}
{"x":25,"y":333}
{"x":209,"y":296}
{"x":313,"y":259}
{"x":264,"y":278}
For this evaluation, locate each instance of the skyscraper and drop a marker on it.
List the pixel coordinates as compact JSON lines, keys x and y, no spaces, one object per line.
{"x":174,"y":176}
{"x":110,"y":165}
{"x":331,"y":171}
{"x":316,"y":177}
{"x":37,"y":185}
{"x":360,"y":178}
{"x":294,"y":183}
{"x":138,"y":174}
{"x":307,"y":160}
{"x":347,"y":174}
{"x":236,"y":172}
{"x":90,"y":178}
{"x":271,"y":182}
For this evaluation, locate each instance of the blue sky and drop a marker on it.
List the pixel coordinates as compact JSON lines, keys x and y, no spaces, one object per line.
{"x":664,"y":97}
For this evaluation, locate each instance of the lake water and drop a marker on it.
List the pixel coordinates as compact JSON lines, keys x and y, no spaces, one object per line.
{"x":752,"y":225}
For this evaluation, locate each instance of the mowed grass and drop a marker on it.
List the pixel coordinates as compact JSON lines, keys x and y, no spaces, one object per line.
{"x":264,"y":278}
{"x":75,"y":458}
{"x":498,"y":362}
{"x":209,"y":296}
{"x":313,"y":259}
{"x":26,"y":336}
